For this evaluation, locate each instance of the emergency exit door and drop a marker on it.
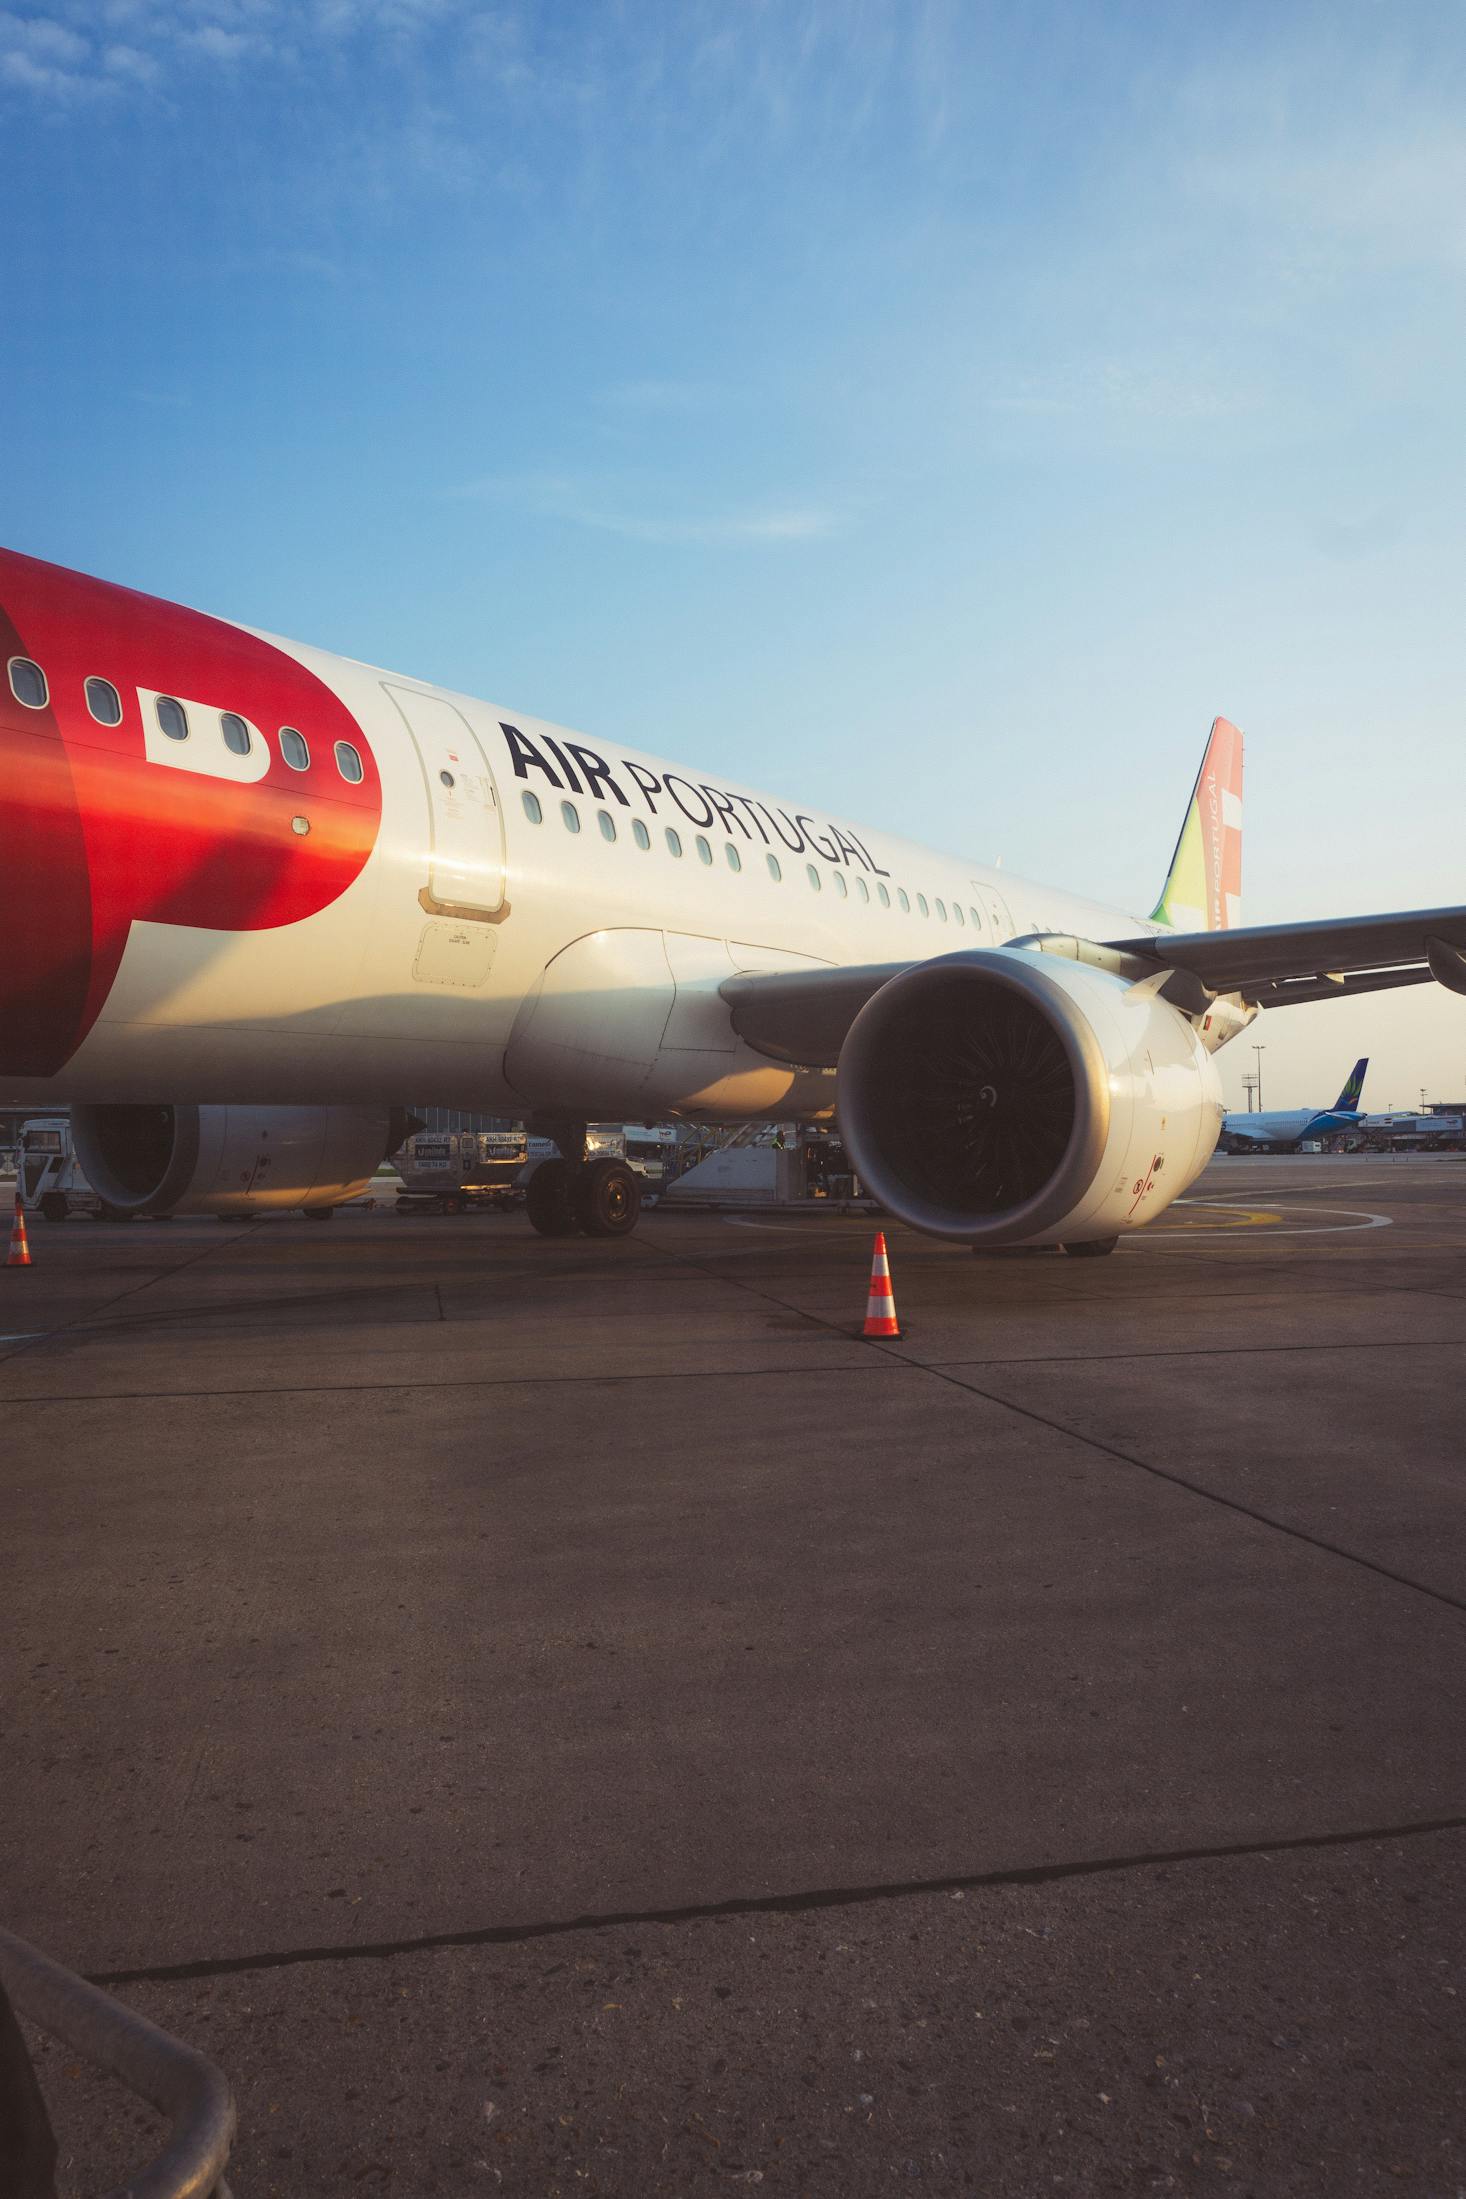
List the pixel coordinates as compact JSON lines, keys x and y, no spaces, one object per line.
{"x":465,"y":856}
{"x":996,"y":909}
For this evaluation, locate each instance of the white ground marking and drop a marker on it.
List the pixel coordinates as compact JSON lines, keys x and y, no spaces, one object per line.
{"x":1358,"y":1219}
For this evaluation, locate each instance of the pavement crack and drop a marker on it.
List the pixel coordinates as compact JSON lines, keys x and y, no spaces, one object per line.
{"x":98,"y":1313}
{"x":432,"y":1384}
{"x":1209,"y":1496}
{"x":1123,"y":1458}
{"x":793,"y":1904}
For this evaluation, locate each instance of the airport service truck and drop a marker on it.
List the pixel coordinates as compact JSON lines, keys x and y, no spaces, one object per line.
{"x":48,"y":1174}
{"x":452,"y":1171}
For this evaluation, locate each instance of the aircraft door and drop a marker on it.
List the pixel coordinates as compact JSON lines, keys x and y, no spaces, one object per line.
{"x":466,"y":856}
{"x":995,"y":908}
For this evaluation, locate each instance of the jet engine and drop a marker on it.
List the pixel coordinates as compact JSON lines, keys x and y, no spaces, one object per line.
{"x":232,"y":1160}
{"x":1008,"y":1097}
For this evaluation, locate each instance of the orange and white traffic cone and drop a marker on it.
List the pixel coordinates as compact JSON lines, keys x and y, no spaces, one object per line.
{"x":880,"y":1306}
{"x":20,"y":1246}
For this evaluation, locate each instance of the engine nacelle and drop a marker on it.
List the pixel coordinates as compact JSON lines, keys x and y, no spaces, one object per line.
{"x":1002,"y":1097}
{"x":231,"y":1160}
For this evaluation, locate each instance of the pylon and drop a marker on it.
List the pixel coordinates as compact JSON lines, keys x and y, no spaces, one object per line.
{"x":880,"y":1306}
{"x":20,"y":1247}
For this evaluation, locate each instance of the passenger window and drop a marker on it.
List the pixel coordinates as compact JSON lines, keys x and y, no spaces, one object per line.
{"x":104,"y":702}
{"x":236,"y":735}
{"x":840,"y":886}
{"x":570,"y":816}
{"x":775,"y":871}
{"x":921,"y":904}
{"x":293,"y":748}
{"x":904,"y":898}
{"x":607,"y":824}
{"x":171,"y":718}
{"x":705,"y":853}
{"x":674,"y":841}
{"x":529,"y":802}
{"x":957,"y":912}
{"x":735,"y":860}
{"x":883,"y":896}
{"x":812,"y":875}
{"x":640,"y":834}
{"x":942,"y":911}
{"x":349,"y":763}
{"x":28,"y":683}
{"x":976,"y":919}
{"x":862,"y":889}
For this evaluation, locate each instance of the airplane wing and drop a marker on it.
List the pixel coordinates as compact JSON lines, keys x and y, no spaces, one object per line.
{"x":1278,"y":963}
{"x":802,"y":1016}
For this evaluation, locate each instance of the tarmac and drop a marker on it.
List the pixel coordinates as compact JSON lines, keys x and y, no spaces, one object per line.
{"x":557,"y":1717}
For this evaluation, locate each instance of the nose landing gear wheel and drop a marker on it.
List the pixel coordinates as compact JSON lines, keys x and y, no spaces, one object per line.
{"x":1093,"y":1248}
{"x":549,"y":1200}
{"x":608,"y":1198}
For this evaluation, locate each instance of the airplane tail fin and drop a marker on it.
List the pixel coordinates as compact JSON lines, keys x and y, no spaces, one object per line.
{"x":1203,"y":888}
{"x":1353,"y":1092}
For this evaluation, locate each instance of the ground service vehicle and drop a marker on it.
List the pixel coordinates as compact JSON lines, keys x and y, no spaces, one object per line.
{"x":458,"y":1169}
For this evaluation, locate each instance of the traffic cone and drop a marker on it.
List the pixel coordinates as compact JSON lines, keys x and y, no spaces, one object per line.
{"x":20,"y":1246}
{"x":880,"y":1306}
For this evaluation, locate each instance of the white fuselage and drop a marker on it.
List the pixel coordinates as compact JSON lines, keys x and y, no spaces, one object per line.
{"x":483,"y":959}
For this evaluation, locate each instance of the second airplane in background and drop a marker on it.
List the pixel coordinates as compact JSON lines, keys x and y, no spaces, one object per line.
{"x":1284,"y":1130}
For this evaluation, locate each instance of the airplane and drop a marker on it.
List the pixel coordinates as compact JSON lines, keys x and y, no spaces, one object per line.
{"x":1283,"y":1131}
{"x":252,"y":894}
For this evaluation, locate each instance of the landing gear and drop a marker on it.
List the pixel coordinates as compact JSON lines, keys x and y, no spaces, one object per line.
{"x":607,"y":1198}
{"x":1093,"y":1248}
{"x":550,"y":1199}
{"x":601,"y":1198}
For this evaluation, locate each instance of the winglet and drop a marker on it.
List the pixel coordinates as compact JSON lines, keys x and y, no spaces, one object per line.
{"x":1348,"y":1100}
{"x":1203,"y":888}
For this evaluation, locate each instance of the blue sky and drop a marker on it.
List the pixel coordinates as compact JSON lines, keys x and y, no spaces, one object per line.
{"x":938,"y":412}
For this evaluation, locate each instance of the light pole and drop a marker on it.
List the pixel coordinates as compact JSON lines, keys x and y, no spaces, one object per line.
{"x":1260,"y":1049}
{"x":1249,"y":1086}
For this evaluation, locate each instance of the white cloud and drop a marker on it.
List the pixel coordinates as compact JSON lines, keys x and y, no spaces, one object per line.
{"x":49,"y":55}
{"x":654,"y":395}
{"x":223,"y":45}
{"x":580,"y":503}
{"x":43,"y":39}
{"x":130,"y":62}
{"x":1140,"y":388}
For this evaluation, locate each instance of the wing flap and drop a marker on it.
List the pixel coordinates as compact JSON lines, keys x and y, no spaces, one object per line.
{"x":1367,"y":952}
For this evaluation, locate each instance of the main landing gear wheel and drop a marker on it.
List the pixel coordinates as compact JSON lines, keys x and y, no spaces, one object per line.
{"x":550,"y":1200}
{"x":1093,"y":1248}
{"x":607,"y":1198}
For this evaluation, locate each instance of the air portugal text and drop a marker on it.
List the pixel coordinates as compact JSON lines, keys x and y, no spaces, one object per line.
{"x":571,"y":767}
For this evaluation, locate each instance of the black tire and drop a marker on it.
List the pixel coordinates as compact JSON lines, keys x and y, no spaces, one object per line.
{"x":53,"y":1206}
{"x":319,"y":1213}
{"x":1093,"y":1248}
{"x":608,"y":1198}
{"x":550,"y":1201}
